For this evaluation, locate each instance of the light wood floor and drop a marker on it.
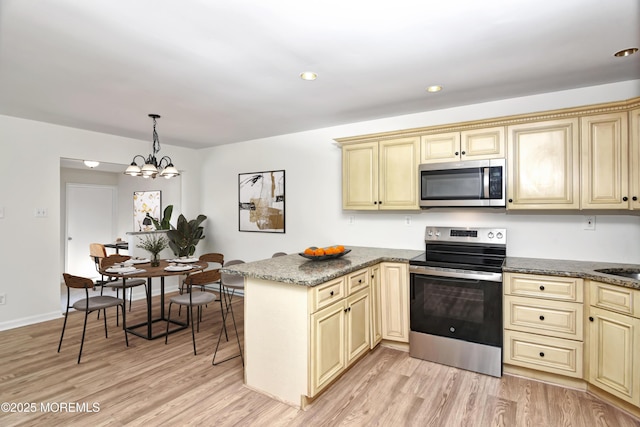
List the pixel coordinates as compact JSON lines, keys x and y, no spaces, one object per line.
{"x":150,"y":383}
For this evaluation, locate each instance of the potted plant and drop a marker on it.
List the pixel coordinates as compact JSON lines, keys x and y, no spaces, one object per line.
{"x":163,"y":224}
{"x":186,"y":235}
{"x":154,"y":244}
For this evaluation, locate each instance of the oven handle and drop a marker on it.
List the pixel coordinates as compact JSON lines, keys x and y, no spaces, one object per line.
{"x":460,"y":274}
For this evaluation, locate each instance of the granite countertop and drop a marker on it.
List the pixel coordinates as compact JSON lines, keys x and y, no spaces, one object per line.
{"x":568,"y":268}
{"x":302,"y":271}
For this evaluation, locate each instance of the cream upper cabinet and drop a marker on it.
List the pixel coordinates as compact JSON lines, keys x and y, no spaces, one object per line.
{"x":543,"y":165}
{"x":394,"y":299}
{"x":474,"y":144}
{"x":605,"y":161}
{"x":634,"y":158}
{"x":381,"y":175}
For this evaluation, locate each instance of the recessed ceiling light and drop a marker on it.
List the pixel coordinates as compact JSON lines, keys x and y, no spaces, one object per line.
{"x":434,"y":88}
{"x":308,"y":75}
{"x":626,"y":52}
{"x":91,"y":163}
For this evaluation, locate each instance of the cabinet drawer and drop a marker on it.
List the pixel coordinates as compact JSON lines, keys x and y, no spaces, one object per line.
{"x":553,"y":355}
{"x":615,"y":298}
{"x":548,"y":287}
{"x":327,"y":293}
{"x":357,"y":281}
{"x":552,"y":318}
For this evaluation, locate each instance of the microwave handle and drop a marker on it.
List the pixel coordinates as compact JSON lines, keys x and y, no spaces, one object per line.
{"x":485,"y":182}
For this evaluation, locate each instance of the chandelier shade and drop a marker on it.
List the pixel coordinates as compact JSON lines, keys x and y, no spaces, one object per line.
{"x":150,"y":167}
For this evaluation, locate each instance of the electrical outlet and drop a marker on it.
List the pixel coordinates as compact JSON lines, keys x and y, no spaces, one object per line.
{"x":352,"y":220}
{"x":407,"y":220}
{"x":589,"y":222}
{"x":3,"y":299}
{"x":40,"y":212}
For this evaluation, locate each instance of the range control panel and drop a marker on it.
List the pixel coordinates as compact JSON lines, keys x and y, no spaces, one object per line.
{"x":466,"y":235}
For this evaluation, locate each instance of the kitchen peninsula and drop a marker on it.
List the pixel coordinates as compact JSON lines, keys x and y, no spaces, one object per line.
{"x":307,"y":321}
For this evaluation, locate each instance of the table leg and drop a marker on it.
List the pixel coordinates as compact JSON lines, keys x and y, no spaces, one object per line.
{"x":149,"y":316}
{"x":162,"y":297}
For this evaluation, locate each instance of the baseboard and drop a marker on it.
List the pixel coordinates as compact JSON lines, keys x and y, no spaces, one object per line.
{"x":26,"y":321}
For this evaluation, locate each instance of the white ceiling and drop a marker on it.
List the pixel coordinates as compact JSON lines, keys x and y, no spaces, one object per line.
{"x":223,"y":71}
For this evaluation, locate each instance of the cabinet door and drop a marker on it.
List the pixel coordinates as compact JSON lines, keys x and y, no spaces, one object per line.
{"x":480,"y":144}
{"x":327,"y":346}
{"x":376,"y":309}
{"x":605,"y":163}
{"x":441,"y":147}
{"x":634,"y":158}
{"x":394,"y":299}
{"x":358,"y":318}
{"x":398,"y":184}
{"x":614,"y":354}
{"x":360,"y":176}
{"x":543,"y":166}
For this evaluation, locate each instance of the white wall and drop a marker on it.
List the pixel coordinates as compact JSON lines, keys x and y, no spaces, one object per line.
{"x":314,"y":214}
{"x":30,"y":178}
{"x":30,"y":155}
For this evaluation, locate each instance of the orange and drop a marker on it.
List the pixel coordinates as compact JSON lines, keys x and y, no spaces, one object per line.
{"x":330,"y":250}
{"x":308,"y":251}
{"x":339,"y":249}
{"x":318,"y":252}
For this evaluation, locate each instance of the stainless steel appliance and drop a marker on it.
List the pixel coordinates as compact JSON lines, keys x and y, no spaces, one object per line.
{"x":468,"y":183}
{"x":456,"y":298}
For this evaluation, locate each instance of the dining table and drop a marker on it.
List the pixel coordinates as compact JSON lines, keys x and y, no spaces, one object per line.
{"x":166,"y":268}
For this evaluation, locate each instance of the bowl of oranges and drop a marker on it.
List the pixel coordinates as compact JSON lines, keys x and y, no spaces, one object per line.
{"x":319,"y":254}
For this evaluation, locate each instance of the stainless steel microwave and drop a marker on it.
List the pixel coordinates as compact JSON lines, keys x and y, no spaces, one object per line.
{"x":468,"y":183}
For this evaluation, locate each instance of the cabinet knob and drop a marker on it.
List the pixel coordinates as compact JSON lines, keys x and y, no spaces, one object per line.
{"x":591,"y":319}
{"x":541,"y":354}
{"x":346,"y":309}
{"x":331,"y":293}
{"x":375,"y":203}
{"x":542,"y":287}
{"x":541,"y":317}
{"x":510,"y":200}
{"x":634,"y":198}
{"x":463,"y":153}
{"x":379,"y":202}
{"x":373,"y":276}
{"x":359,"y":280}
{"x":625,"y":198}
{"x":457,"y":154}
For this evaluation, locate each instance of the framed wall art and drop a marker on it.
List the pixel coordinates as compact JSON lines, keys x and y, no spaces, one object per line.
{"x":261,"y":201}
{"x":146,"y":202}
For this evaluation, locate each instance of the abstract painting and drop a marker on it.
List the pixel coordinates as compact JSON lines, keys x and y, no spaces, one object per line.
{"x":146,"y":203}
{"x":261,"y":201}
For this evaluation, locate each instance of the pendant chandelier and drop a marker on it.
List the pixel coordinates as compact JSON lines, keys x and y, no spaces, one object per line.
{"x":152,"y":167}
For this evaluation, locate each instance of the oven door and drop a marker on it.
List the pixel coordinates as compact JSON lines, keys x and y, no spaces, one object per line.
{"x":457,"y":305}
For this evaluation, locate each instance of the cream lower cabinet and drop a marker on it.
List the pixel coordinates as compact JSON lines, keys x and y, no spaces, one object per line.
{"x":381,"y":175}
{"x":543,"y":323}
{"x":394,"y":300}
{"x":376,"y":307}
{"x":543,"y":165}
{"x":339,"y":333}
{"x":614,"y":341}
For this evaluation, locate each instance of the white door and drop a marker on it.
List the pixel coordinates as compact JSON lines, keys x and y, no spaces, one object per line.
{"x":90,"y":218}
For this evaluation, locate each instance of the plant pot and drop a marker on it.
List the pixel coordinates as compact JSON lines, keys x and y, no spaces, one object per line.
{"x":155,"y":260}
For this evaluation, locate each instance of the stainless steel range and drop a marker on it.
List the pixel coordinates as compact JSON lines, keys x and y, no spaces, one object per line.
{"x":456,"y":298}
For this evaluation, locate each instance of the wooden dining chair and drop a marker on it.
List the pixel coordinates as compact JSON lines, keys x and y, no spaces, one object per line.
{"x":97,"y":252}
{"x":120,"y":284}
{"x":88,"y":304}
{"x":230,"y":284}
{"x":198,"y":299}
